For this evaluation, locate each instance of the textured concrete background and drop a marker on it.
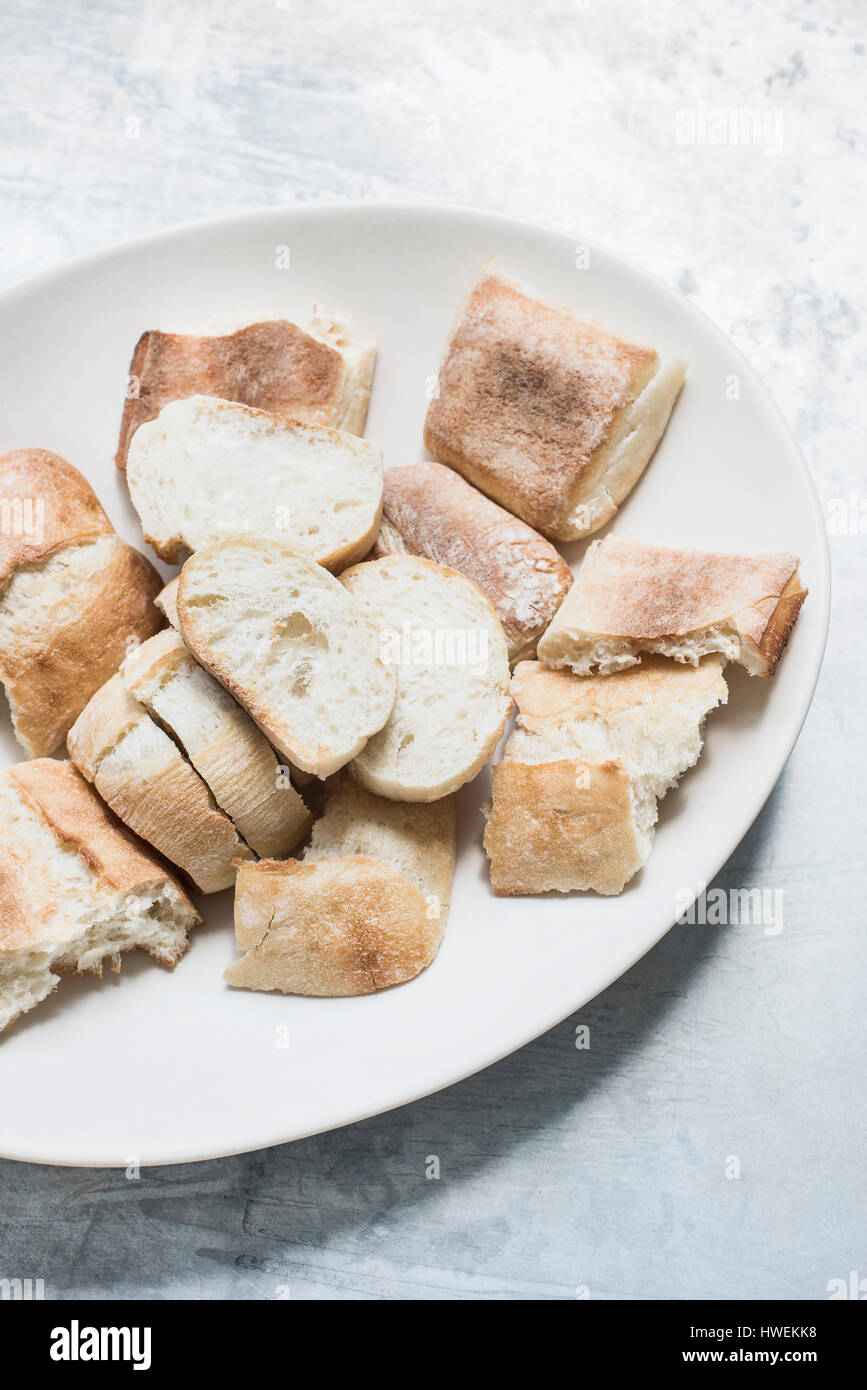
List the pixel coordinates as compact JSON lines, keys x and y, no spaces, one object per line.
{"x":606,"y":1171}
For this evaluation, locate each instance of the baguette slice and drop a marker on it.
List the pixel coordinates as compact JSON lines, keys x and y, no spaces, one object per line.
{"x":76,"y":888}
{"x":445,"y":641}
{"x":549,"y":414}
{"x":365,"y":909}
{"x":223,"y":744}
{"x":575,"y":796}
{"x":148,"y":783}
{"x":207,"y":469}
{"x":73,"y":596}
{"x":321,"y":376}
{"x":293,"y":647}
{"x":432,"y":511}
{"x":167,"y":602}
{"x":630,"y":598}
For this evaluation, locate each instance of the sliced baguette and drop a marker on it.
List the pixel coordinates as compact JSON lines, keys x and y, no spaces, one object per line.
{"x":167,"y":602}
{"x":321,"y":376}
{"x":74,"y":597}
{"x":76,"y":888}
{"x":291,"y":645}
{"x":575,"y":795}
{"x":549,"y":414}
{"x":207,"y":469}
{"x":145,"y":779}
{"x":630,"y":598}
{"x":226,"y":748}
{"x":445,"y":641}
{"x":365,"y":909}
{"x":430,"y":510}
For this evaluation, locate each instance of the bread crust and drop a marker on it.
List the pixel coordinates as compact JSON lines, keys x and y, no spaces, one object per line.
{"x":163,"y":799}
{"x":563,"y":826}
{"x":330,"y":928}
{"x":229,"y":751}
{"x":80,"y":642}
{"x":564,"y":815}
{"x":271,"y":365}
{"x":76,"y":816}
{"x":647,"y":594}
{"x":533,"y":406}
{"x":430,"y":510}
{"x":69,"y":509}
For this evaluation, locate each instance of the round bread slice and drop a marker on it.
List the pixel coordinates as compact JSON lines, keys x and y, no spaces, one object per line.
{"x":207,"y":469}
{"x":293,"y":647}
{"x":148,"y":783}
{"x":447,"y":644}
{"x":221,"y":741}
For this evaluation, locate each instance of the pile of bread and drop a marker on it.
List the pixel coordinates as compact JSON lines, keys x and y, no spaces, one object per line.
{"x":343,"y":647}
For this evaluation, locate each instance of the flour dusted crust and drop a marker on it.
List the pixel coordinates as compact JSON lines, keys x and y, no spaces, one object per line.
{"x":631,"y":598}
{"x":56,"y":507}
{"x":551,"y":415}
{"x":363,"y":911}
{"x":320,"y":377}
{"x":575,"y":796}
{"x":432,"y":511}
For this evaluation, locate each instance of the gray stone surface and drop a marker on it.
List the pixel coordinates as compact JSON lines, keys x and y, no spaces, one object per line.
{"x":605,"y":1169}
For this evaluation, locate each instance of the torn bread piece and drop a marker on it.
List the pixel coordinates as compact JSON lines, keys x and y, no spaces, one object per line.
{"x":76,"y":888}
{"x":444,"y":640}
{"x":430,"y":510}
{"x":143,"y":776}
{"x":320,"y":376}
{"x":206,"y":469}
{"x":575,"y":795}
{"x":74,"y":597}
{"x":630,"y":598}
{"x":291,"y":645}
{"x":549,"y":414}
{"x":229,"y":751}
{"x":365,"y":909}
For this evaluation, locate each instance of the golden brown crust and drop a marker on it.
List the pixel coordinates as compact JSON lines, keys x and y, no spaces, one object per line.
{"x":49,"y":504}
{"x":546,"y":697}
{"x":645,"y":594}
{"x":780,"y":624}
{"x":272,"y":366}
{"x":432,"y":511}
{"x":562,"y":825}
{"x":528,"y":395}
{"x":158,"y":795}
{"x":81,"y":641}
{"x":77,"y":816}
{"x":333,"y":927}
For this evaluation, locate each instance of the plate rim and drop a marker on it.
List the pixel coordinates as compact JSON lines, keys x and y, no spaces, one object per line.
{"x":88,"y":259}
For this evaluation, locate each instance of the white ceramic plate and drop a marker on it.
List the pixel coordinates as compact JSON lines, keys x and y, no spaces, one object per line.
{"x":167,"y":1067}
